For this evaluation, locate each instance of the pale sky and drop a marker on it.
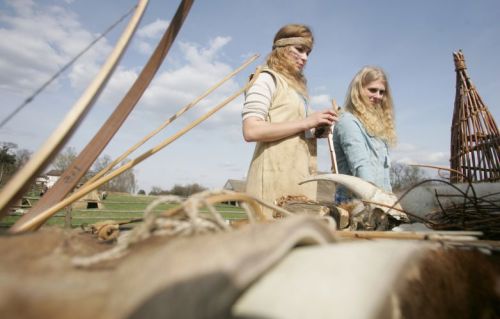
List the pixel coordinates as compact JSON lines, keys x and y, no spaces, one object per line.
{"x":412,"y":40}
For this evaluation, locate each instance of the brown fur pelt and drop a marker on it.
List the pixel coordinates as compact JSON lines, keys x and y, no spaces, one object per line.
{"x":160,"y":277}
{"x":451,"y":283}
{"x":283,"y":200}
{"x":300,"y":204}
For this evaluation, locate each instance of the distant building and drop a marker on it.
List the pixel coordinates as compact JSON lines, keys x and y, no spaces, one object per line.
{"x":52,"y":177}
{"x":235,"y":185}
{"x":40,"y":180}
{"x":89,"y":201}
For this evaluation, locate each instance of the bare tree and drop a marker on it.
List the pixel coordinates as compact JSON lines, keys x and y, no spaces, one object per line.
{"x":64,"y":159}
{"x":11,"y":159}
{"x":125,"y":182}
{"x":7,"y":161}
{"x":156,"y":190}
{"x":178,"y":190}
{"x":22,"y":157}
{"x":100,"y":163}
{"x":404,"y":176}
{"x":186,"y":190}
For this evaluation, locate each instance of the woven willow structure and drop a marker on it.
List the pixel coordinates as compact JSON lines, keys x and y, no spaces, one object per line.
{"x":475,"y":141}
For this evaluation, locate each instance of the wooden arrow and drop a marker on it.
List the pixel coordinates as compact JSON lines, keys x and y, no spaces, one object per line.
{"x":19,"y":183}
{"x":88,"y":155}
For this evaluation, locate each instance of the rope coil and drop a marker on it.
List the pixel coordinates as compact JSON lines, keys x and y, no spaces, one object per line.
{"x":184,"y":220}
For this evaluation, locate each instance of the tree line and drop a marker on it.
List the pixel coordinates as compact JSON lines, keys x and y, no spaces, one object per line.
{"x":178,"y":190}
{"x":12,"y":158}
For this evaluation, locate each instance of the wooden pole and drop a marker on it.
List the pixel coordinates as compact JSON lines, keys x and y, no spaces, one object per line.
{"x":68,"y":216}
{"x":333,"y":157}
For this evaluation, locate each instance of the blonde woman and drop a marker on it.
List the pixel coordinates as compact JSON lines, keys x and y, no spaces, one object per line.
{"x":277,"y":116}
{"x":365,"y":130}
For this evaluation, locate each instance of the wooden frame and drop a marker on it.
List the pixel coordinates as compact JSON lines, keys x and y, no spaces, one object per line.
{"x":475,"y":141}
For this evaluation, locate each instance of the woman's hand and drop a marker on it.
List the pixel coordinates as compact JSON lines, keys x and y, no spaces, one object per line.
{"x":322,"y":130}
{"x":258,"y":130}
{"x":326,"y":117}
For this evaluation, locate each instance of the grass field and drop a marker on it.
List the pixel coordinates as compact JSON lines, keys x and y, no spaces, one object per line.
{"x":118,"y":207}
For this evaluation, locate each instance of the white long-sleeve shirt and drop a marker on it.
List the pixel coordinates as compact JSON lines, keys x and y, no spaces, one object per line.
{"x":258,"y":97}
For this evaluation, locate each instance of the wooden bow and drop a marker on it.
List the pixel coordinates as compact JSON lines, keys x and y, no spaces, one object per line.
{"x":88,"y":155}
{"x":19,"y":183}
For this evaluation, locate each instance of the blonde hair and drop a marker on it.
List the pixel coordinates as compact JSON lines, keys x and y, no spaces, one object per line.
{"x":378,"y":121}
{"x":280,"y":61}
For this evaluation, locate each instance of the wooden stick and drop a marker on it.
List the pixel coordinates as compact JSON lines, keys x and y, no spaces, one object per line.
{"x":444,"y":235}
{"x":333,"y":157}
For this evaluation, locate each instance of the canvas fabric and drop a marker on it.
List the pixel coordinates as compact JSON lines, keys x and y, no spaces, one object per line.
{"x":161,"y":277}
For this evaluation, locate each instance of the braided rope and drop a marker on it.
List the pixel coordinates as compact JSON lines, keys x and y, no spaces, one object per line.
{"x":184,"y":220}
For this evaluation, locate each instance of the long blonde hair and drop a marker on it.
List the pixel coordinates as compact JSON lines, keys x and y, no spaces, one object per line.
{"x":280,"y":61}
{"x":378,"y":121}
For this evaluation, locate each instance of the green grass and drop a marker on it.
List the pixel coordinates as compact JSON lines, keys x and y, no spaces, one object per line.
{"x":119,"y":207}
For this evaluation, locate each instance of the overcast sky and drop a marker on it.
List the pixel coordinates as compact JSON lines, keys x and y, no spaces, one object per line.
{"x":412,"y":40}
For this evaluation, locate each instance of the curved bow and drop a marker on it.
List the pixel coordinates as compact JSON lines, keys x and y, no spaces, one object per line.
{"x":17,"y":186}
{"x":87,"y":156}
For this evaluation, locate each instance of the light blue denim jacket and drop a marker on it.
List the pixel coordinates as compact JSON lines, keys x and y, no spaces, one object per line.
{"x":360,"y":154}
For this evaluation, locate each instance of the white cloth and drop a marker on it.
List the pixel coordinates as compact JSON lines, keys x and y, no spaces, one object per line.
{"x":258,"y":97}
{"x":334,"y":281}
